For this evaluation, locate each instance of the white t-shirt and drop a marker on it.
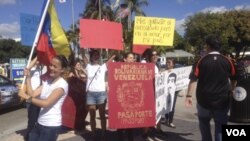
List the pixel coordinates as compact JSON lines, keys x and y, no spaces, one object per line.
{"x":36,"y":73}
{"x":98,"y":82}
{"x":51,"y":116}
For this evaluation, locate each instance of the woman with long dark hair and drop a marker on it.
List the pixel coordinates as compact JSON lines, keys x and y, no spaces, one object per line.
{"x":96,"y":90}
{"x":49,"y":96}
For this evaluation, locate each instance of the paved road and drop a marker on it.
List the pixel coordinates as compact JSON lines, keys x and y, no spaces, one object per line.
{"x":11,"y":120}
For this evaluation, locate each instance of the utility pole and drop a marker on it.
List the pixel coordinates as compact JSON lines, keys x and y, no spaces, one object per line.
{"x":73,"y":17}
{"x":75,"y":41}
{"x":100,"y":18}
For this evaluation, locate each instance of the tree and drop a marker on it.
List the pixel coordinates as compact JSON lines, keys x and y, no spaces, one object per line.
{"x":134,"y":7}
{"x":178,"y":43}
{"x":199,"y":26}
{"x":232,"y":27}
{"x":11,"y":49}
{"x":94,"y":10}
{"x":240,"y":30}
{"x":73,"y":34}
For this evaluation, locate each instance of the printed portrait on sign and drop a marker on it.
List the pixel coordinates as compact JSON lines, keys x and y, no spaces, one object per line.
{"x":171,"y":87}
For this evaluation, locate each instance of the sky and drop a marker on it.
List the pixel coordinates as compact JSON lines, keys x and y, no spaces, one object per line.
{"x":178,"y":9}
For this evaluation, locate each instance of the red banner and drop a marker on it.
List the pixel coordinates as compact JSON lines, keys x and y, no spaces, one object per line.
{"x":139,"y":49}
{"x":100,"y":34}
{"x":131,"y":99}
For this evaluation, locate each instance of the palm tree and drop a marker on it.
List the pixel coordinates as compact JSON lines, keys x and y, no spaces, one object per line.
{"x":97,"y":9}
{"x":73,"y":37}
{"x":134,"y":7}
{"x":94,"y":10}
{"x":73,"y":34}
{"x":91,"y":12}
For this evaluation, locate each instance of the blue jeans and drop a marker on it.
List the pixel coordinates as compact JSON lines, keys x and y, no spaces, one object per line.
{"x":170,"y":116}
{"x":96,"y":98}
{"x":220,"y":118}
{"x":44,"y":133}
{"x":33,"y":113}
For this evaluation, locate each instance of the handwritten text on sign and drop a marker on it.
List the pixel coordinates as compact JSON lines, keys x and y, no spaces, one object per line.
{"x":154,"y":31}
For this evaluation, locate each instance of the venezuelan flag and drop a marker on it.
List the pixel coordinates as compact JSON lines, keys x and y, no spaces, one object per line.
{"x":52,"y":40}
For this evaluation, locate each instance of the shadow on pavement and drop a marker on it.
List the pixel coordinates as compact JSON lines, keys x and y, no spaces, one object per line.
{"x":22,"y":133}
{"x":10,"y":109}
{"x":172,"y":136}
{"x":153,"y":136}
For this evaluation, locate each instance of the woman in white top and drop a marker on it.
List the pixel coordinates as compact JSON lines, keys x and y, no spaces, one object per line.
{"x":49,"y":96}
{"x":96,"y":90}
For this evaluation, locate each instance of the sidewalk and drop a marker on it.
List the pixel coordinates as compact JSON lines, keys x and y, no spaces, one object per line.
{"x":185,"y":120}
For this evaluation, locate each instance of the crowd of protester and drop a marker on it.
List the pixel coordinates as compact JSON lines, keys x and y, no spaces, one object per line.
{"x":76,"y":87}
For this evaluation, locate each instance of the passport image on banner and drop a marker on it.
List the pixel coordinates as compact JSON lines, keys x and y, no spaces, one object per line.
{"x":131,"y":99}
{"x":235,"y":132}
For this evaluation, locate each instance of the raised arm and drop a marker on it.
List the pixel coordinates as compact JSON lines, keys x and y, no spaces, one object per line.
{"x":29,"y":89}
{"x":111,"y":59}
{"x":32,"y":63}
{"x":85,"y":59}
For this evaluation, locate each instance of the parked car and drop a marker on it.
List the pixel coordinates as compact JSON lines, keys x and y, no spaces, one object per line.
{"x":8,"y":93}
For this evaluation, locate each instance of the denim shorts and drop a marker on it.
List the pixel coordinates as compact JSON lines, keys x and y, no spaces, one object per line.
{"x":96,"y":98}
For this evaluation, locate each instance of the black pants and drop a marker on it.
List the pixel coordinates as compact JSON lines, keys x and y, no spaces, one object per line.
{"x":170,"y":116}
{"x":128,"y":132}
{"x":33,"y":113}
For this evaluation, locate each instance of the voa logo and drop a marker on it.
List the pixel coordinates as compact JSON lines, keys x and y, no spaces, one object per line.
{"x":236,"y":132}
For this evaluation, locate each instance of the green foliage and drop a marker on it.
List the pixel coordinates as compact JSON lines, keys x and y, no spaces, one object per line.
{"x":178,"y":41}
{"x":240,"y":29}
{"x":92,"y":11}
{"x":11,"y":49}
{"x":233,"y":28}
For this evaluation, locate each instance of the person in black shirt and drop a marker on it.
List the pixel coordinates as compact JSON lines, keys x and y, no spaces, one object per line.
{"x":213,"y":72}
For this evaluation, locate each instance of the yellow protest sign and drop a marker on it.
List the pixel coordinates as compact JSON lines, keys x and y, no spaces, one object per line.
{"x":154,"y":31}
